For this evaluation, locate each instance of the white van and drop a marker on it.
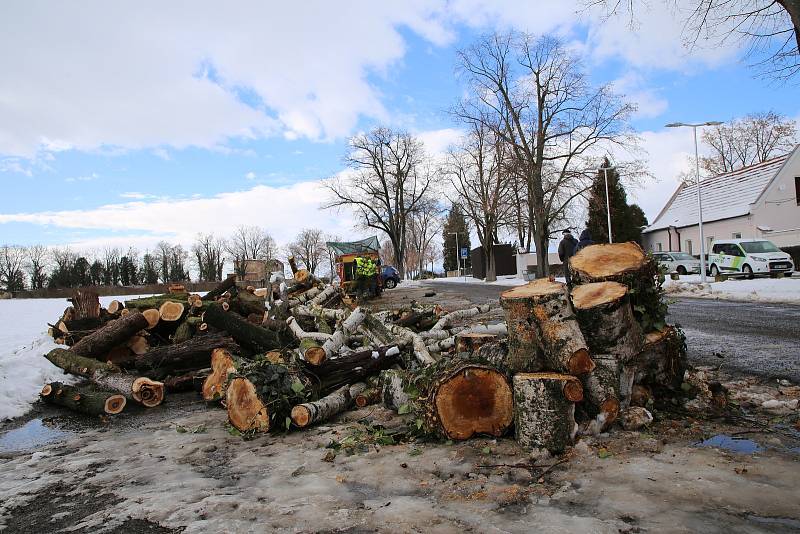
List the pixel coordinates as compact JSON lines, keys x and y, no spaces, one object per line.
{"x":748,"y":257}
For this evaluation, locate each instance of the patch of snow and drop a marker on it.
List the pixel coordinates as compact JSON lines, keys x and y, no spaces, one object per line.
{"x":509,"y":280}
{"x":394,"y":351}
{"x":783,"y":290}
{"x":23,"y":369}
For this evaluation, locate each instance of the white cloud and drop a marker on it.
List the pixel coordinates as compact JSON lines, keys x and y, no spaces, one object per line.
{"x":438,"y":141}
{"x":84,"y":178}
{"x":634,"y":87}
{"x":282,"y":211}
{"x":250,"y":175}
{"x":15,"y":165}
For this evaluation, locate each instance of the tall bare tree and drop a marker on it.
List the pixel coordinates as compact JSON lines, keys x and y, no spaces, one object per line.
{"x":388,"y":180}
{"x":37,"y":259}
{"x":330,"y":257}
{"x":483,"y":186}
{"x":771,"y":28}
{"x":535,"y":96}
{"x":162,"y":256}
{"x":309,"y":248}
{"x":250,"y":243}
{"x":208,"y":252}
{"x":424,"y":225}
{"x":12,"y":261}
{"x":752,"y":139}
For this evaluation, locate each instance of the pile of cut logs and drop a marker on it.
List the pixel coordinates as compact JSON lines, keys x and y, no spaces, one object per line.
{"x":297,"y":353}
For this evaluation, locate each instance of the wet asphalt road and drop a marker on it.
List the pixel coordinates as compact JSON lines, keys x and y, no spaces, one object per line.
{"x":752,"y":338}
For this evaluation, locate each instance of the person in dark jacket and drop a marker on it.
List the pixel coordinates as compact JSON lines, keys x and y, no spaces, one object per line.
{"x":585,"y":241}
{"x":565,"y":251}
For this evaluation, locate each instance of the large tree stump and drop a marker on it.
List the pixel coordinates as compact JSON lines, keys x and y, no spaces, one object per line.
{"x":542,"y":329}
{"x":627,"y":264}
{"x":323,"y":409}
{"x":545,"y":410}
{"x":251,"y":337}
{"x":606,"y":319}
{"x":662,"y":361}
{"x":83,"y":399}
{"x":141,"y":389}
{"x":86,"y":304}
{"x":113,"y":333}
{"x":246,"y":411}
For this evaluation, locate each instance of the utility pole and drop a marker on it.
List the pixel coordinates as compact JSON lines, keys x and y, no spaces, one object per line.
{"x":608,"y":204}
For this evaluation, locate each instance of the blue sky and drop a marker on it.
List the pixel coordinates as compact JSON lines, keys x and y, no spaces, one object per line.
{"x":127,"y":123}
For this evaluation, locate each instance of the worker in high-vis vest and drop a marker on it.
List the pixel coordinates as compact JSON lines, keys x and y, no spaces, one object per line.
{"x":366,"y":272}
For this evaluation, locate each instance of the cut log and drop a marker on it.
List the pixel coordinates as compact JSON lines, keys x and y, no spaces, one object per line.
{"x":115,"y":307}
{"x":323,"y":409}
{"x":406,"y":337}
{"x":301,"y":334}
{"x":153,"y":317}
{"x":194,"y":353}
{"x":138,"y":345}
{"x":222,"y":365}
{"x":368,"y":397}
{"x":641,"y":395}
{"x":627,"y":264}
{"x":221,"y":288}
{"x":293,"y":264}
{"x":602,"y":386}
{"x":184,"y":331}
{"x":542,"y":329}
{"x":148,"y":392}
{"x":469,"y":399}
{"x":662,"y":361}
{"x":124,"y":311}
{"x":251,"y":337}
{"x":86,"y":304}
{"x":311,"y":351}
{"x":121,"y":356}
{"x":305,"y":297}
{"x":393,"y":391}
{"x":348,"y":327}
{"x":545,"y":413}
{"x":606,"y":319}
{"x":83,"y":399}
{"x":245,"y":303}
{"x":191,"y":381}
{"x":357,"y":389}
{"x":171,"y":311}
{"x":113,"y":333}
{"x":325,"y":295}
{"x":329,"y":314}
{"x":470,"y":341}
{"x":353,"y":367}
{"x":246,"y":411}
{"x":458,"y":315}
{"x":155,"y":301}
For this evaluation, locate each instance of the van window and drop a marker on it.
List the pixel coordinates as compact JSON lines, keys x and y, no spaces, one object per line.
{"x":734,"y":250}
{"x":718,"y":249}
{"x":759,"y":247}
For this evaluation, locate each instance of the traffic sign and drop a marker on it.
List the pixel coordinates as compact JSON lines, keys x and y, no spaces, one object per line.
{"x":464,"y":252}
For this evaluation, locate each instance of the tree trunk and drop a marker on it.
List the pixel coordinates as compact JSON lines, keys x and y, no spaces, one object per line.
{"x":251,"y":337}
{"x":83,"y":399}
{"x":542,"y":329}
{"x":662,"y":361}
{"x":171,"y":311}
{"x":191,"y":381}
{"x":244,"y":303}
{"x":353,"y":367}
{"x":221,"y":288}
{"x":348,"y":327}
{"x":113,"y":333}
{"x":602,"y":387}
{"x":140,"y":389}
{"x":86,"y":304}
{"x":545,"y":411}
{"x":393,"y":389}
{"x":194,"y":353}
{"x":222,"y":365}
{"x":323,"y":409}
{"x":311,"y":351}
{"x":246,"y":411}
{"x":470,"y":341}
{"x":606,"y":319}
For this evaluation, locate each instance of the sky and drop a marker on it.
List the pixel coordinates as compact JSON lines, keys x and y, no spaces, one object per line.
{"x":125,"y":123}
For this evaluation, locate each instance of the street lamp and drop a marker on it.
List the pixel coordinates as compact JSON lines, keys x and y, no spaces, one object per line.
{"x":699,"y":195}
{"x":608,"y":205}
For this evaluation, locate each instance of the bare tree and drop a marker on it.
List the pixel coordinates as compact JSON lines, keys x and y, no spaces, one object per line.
{"x":37,"y":259}
{"x":111,"y":257}
{"x":309,"y":248}
{"x":768,"y":27}
{"x":387,"y":182}
{"x":329,"y":254}
{"x":163,"y":255}
{"x":752,"y":139}
{"x":249,"y":243}
{"x":482,"y":186}
{"x":12,"y":261}
{"x":208,"y":252}
{"x":424,"y":225}
{"x":533,"y":93}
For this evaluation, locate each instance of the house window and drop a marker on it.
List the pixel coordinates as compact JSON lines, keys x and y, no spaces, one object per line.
{"x":659,"y":247}
{"x":689,"y":246}
{"x":736,"y":235}
{"x":797,"y":189}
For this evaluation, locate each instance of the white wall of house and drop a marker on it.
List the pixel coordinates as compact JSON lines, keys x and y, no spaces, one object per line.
{"x":529,"y":258}
{"x":737,"y":227}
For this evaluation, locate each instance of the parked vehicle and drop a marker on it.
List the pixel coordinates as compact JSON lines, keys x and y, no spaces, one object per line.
{"x":749,"y":257}
{"x":678,"y":262}
{"x":390,"y":277}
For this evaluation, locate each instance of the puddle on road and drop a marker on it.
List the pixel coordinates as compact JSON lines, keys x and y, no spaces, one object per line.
{"x":31,"y":435}
{"x":733,"y":444}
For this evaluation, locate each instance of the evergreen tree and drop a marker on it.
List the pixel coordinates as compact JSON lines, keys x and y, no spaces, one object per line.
{"x":149,"y":272}
{"x":80,"y":270}
{"x":455,"y":223}
{"x":127,"y":271}
{"x":96,"y":273}
{"x":626,"y":220}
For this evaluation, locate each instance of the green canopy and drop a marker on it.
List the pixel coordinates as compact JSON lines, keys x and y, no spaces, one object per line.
{"x":369,"y":244}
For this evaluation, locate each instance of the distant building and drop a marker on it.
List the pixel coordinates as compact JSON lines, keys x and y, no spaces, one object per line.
{"x":258,"y":271}
{"x":761,"y":201}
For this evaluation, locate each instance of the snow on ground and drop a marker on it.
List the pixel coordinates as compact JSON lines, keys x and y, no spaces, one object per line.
{"x":23,"y":370}
{"x":510,"y":280}
{"x":785,"y":290}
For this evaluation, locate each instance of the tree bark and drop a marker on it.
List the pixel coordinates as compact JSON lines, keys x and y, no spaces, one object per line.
{"x":470,"y":341}
{"x":194,"y":353}
{"x":543,"y":331}
{"x":662,"y":361}
{"x":83,"y":399}
{"x":86,"y":304}
{"x":458,"y":315}
{"x":602,"y":387}
{"x":251,"y":337}
{"x":353,"y":367}
{"x":607,"y":321}
{"x":221,"y":288}
{"x":113,"y":333}
{"x":323,"y":409}
{"x":348,"y":327}
{"x":545,"y":415}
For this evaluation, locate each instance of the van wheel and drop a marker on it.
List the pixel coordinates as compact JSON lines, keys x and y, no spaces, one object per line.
{"x":391,"y":284}
{"x":747,"y":271}
{"x":681,"y":270}
{"x":714,"y":271}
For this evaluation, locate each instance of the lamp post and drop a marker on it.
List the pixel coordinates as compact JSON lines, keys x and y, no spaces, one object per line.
{"x":699,"y":194}
{"x":608,"y":204}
